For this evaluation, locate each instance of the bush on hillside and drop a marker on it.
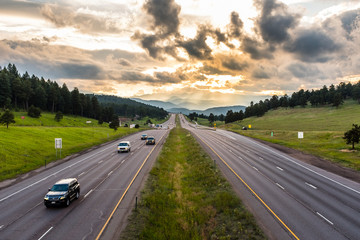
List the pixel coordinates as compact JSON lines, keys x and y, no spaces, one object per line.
{"x":34,"y":112}
{"x":58,"y":116}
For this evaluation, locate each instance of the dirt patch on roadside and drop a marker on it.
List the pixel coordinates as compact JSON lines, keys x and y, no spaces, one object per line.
{"x":317,"y":161}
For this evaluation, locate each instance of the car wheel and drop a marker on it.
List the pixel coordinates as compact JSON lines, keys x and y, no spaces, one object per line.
{"x":47,"y":206}
{"x":77,"y":195}
{"x":67,"y":203}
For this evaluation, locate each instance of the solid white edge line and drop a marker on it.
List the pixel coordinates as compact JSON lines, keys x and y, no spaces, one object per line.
{"x":280,"y":186}
{"x":310,"y":185}
{"x":88,"y":193}
{"x":45,"y":233}
{"x":325,"y":218}
{"x":43,"y":179}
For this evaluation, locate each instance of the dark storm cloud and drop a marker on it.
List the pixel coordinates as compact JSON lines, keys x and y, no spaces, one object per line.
{"x":166,"y":77}
{"x":165,"y":14}
{"x":275,"y":21}
{"x":235,"y":26}
{"x":197,"y":46}
{"x":150,"y":43}
{"x":256,"y":49}
{"x":166,"y":24}
{"x":234,"y":64}
{"x":312,"y":45}
{"x":136,"y":76}
{"x":350,"y":20}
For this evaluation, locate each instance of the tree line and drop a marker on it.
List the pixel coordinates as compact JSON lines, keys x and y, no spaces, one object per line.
{"x":23,"y":91}
{"x":333,"y":95}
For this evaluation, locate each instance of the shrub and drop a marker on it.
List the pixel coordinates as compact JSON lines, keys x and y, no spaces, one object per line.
{"x":34,"y":112}
{"x":58,"y":116}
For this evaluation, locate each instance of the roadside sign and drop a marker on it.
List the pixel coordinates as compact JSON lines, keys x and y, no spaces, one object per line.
{"x":249,"y":126}
{"x":58,"y":143}
{"x":88,"y":121}
{"x":300,"y":134}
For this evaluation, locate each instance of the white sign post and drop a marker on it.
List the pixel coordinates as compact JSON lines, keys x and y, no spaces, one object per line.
{"x":300,"y":136}
{"x":58,"y":145}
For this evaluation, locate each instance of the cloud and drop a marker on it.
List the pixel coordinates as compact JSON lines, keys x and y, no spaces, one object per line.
{"x":256,"y":49}
{"x":234,"y":64}
{"x":313,"y":45}
{"x":166,"y":16}
{"x":197,"y":47}
{"x":275,"y":21}
{"x":235,"y":26}
{"x":302,"y":70}
{"x":85,"y":20}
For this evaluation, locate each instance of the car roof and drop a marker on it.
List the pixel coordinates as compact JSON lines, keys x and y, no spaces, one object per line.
{"x":144,"y":134}
{"x":66,"y":181}
{"x":124,"y":142}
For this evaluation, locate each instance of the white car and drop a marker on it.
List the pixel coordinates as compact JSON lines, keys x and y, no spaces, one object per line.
{"x":124,"y":146}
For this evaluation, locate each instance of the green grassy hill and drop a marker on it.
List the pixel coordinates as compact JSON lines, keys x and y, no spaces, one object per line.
{"x":30,"y":142}
{"x":323,"y":129}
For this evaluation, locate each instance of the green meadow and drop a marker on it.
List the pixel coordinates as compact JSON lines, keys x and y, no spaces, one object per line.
{"x":186,"y":197}
{"x":30,"y":142}
{"x":322,"y":127}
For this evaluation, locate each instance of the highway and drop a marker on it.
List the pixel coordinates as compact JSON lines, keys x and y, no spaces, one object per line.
{"x":289,"y":198}
{"x":109,"y":182}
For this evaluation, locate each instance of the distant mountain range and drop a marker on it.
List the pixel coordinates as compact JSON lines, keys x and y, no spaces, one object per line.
{"x":173,"y":108}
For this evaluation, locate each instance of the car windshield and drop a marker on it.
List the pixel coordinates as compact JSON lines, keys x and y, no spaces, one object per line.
{"x":144,"y":135}
{"x":150,"y":138}
{"x":60,"y":187}
{"x":123,"y":144}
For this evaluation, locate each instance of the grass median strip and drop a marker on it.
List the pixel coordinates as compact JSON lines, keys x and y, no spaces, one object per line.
{"x":186,"y":197}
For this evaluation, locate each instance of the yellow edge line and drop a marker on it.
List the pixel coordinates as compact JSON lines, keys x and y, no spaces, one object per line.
{"x":117,"y":205}
{"x":250,"y":189}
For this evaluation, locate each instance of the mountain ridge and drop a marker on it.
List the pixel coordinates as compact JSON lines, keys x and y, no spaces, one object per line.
{"x":173,"y":108}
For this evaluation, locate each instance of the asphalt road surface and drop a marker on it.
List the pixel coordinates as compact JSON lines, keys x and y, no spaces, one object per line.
{"x":290,"y":199}
{"x":109,"y":182}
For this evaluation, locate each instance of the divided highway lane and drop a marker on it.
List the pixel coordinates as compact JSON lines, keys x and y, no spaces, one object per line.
{"x":104,"y":176}
{"x":293,"y":199}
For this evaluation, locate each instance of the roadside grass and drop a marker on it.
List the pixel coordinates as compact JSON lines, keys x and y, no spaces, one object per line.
{"x":205,"y":122}
{"x":323,"y":129}
{"x":30,"y":142}
{"x":186,"y":197}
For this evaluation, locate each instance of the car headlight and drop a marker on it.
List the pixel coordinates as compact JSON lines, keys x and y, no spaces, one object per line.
{"x":46,"y":197}
{"x":63,"y":197}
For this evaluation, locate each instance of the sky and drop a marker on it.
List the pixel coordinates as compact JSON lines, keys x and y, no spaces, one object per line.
{"x":195,"y":53}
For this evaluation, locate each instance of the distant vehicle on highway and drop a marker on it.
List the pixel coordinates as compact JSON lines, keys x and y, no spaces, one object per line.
{"x":62,"y":192}
{"x":144,"y":137}
{"x":124,"y":146}
{"x":150,"y":140}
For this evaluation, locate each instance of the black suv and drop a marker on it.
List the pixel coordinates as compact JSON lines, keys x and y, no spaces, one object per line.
{"x":62,"y":192}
